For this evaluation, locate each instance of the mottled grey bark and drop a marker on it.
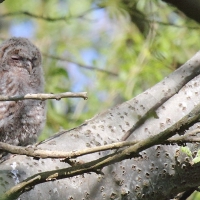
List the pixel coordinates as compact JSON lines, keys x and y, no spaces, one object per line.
{"x":160,"y":172}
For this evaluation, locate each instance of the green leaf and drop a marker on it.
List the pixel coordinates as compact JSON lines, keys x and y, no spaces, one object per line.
{"x":196,"y":160}
{"x":186,"y":150}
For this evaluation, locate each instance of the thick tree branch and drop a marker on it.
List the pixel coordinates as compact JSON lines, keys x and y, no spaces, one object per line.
{"x":179,"y":111}
{"x":98,"y":164}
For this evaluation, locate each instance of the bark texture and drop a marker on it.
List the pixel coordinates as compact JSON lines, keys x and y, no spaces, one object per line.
{"x":160,"y":172}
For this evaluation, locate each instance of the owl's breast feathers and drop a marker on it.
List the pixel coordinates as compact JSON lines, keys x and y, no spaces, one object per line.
{"x":20,"y":73}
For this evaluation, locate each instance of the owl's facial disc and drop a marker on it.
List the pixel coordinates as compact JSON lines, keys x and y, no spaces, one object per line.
{"x":22,"y":62}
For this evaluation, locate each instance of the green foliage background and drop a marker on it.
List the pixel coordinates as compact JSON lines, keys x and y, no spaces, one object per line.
{"x":129,"y":38}
{"x":140,"y":41}
{"x":139,"y":58}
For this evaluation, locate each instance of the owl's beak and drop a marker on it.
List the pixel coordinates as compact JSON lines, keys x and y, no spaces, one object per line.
{"x":29,"y":66}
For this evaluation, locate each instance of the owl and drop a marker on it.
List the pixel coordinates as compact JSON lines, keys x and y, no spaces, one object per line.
{"x":20,"y":73}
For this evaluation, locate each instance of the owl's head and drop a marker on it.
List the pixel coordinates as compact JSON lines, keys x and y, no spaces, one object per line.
{"x":21,"y":61}
{"x":21,"y":53}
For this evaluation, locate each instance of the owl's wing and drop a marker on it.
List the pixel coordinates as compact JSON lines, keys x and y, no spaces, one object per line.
{"x":8,"y":109}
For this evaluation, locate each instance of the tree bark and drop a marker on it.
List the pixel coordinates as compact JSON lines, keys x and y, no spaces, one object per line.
{"x":159,"y":172}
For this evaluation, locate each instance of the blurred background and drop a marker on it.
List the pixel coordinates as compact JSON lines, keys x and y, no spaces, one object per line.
{"x":112,"y":49}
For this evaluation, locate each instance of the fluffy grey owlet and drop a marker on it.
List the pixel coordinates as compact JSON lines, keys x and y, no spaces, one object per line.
{"x":20,"y":73}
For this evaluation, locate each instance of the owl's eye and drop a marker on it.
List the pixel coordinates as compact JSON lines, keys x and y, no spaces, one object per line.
{"x":15,"y":57}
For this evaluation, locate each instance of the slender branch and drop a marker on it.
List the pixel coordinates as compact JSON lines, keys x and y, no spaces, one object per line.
{"x":65,"y":18}
{"x":42,"y":96}
{"x":41,"y":153}
{"x":33,"y":15}
{"x":80,"y":65}
{"x":34,"y":152}
{"x":49,"y":19}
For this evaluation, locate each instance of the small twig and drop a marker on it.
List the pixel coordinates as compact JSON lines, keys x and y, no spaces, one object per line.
{"x":184,"y":195}
{"x":80,"y":65}
{"x":186,"y":135}
{"x":42,"y":96}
